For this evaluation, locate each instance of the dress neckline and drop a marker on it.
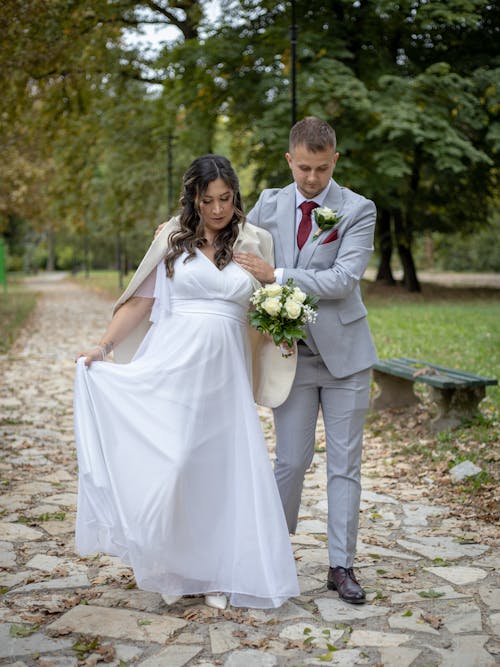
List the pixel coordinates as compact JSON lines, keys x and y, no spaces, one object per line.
{"x":200,"y":252}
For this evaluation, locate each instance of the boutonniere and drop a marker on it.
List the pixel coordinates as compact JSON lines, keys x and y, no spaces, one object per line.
{"x":325,"y":219}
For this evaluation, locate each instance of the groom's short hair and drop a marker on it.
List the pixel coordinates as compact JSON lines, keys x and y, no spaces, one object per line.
{"x":313,"y":133}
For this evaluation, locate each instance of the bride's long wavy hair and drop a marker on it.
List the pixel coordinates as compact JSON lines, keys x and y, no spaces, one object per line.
{"x":190,"y":234}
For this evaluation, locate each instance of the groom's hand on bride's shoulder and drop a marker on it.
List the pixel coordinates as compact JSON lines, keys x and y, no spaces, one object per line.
{"x":159,"y":229}
{"x":255,"y":265}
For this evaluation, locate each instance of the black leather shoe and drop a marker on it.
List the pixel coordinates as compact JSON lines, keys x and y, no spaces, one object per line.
{"x":345,"y":583}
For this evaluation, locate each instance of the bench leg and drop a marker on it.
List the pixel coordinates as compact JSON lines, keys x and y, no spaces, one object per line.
{"x":455,"y":405}
{"x":394,"y":392}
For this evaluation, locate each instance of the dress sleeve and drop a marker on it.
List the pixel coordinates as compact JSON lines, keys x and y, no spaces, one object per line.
{"x":147,"y":287}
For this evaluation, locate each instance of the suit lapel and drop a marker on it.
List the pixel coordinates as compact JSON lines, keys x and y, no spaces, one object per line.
{"x":334,"y":201}
{"x":285,"y":212}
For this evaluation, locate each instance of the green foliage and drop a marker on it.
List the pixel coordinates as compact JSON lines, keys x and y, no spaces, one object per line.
{"x":412,"y":89}
{"x":425,"y":148}
{"x":474,"y":251}
{"x":85,"y":645}
{"x":431,"y":593}
{"x":51,"y":516}
{"x":20,"y":631}
{"x":96,"y":133}
{"x":85,"y":149}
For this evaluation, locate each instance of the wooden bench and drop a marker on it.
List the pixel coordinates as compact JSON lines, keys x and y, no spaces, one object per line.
{"x":456,"y":393}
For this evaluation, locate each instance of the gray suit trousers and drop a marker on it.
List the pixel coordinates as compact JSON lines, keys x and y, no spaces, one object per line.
{"x":344,"y":403}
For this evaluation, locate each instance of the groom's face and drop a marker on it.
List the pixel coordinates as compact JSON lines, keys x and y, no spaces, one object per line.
{"x":311,"y":171}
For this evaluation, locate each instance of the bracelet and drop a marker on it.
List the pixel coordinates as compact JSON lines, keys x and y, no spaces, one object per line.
{"x":105,"y":349}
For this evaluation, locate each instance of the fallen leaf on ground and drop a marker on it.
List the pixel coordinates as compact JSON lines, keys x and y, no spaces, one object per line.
{"x":200,"y":613}
{"x":255,"y":643}
{"x":239,"y":633}
{"x":59,"y":632}
{"x":107,"y":651}
{"x":434,"y":621}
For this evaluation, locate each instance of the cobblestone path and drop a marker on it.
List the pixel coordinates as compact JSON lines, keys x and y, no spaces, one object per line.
{"x":433,"y":598}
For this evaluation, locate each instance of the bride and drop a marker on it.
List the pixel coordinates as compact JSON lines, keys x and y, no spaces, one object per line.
{"x":174,"y":474}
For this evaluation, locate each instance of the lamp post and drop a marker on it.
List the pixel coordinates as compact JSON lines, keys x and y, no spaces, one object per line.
{"x":3,"y":265}
{"x":293,"y":56}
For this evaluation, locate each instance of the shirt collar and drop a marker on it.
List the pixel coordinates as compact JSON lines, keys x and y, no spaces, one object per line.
{"x":319,"y":199}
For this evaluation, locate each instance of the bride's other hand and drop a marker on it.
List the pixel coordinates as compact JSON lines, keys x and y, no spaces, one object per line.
{"x":124,"y":321}
{"x":288,"y":350}
{"x":95,"y":354}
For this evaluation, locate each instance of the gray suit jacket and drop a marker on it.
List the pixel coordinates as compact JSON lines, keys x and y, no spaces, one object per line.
{"x":330,"y":270}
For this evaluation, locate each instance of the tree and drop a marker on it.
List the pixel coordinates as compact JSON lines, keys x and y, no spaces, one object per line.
{"x":84,"y":133}
{"x":411,"y":87}
{"x":415,"y":111}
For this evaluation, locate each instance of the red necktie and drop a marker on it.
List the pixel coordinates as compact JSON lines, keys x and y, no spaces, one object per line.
{"x":305,"y":225}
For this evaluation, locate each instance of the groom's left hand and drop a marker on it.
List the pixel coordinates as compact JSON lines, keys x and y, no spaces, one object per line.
{"x":260,"y":269}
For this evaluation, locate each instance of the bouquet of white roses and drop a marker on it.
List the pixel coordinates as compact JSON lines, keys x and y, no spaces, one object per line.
{"x":282,"y":311}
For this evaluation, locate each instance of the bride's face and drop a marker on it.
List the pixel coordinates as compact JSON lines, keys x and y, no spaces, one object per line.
{"x":216,"y":206}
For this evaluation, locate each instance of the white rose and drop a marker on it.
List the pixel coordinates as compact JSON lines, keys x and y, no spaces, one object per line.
{"x":293,"y":309}
{"x":274,"y":289}
{"x":298,"y":295}
{"x":326,"y":213}
{"x":272,"y":306}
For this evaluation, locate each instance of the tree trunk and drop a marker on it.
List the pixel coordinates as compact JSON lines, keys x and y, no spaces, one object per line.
{"x":429,"y":252}
{"x":402,"y":229}
{"x":86,"y":254}
{"x":119,"y":260}
{"x":384,"y":236}
{"x":51,"y":251}
{"x":125,"y":260}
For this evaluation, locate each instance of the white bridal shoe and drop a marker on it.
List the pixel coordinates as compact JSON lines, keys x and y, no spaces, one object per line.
{"x":216,"y":600}
{"x":170,"y":599}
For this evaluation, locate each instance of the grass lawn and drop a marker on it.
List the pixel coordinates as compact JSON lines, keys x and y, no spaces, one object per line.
{"x":105,"y":282}
{"x":15,"y":307}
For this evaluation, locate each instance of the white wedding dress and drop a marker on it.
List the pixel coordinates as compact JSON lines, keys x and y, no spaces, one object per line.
{"x":174,"y":474}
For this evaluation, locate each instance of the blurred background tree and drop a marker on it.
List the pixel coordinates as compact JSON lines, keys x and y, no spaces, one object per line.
{"x":97,"y":130}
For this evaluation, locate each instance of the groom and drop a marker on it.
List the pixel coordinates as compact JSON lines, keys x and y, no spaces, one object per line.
{"x":333,"y":365}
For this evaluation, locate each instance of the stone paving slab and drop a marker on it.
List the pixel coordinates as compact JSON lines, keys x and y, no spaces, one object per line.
{"x":118,"y":623}
{"x":11,"y":646}
{"x":433,"y":596}
{"x":173,"y":656}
